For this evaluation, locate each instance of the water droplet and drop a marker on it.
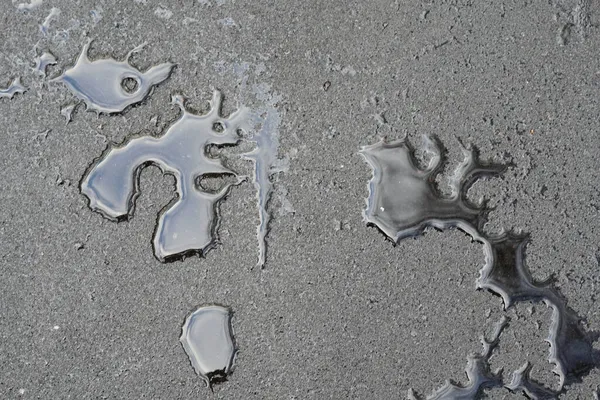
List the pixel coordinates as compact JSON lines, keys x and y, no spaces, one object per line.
{"x":207,"y":338}
{"x":12,"y":89}
{"x":403,"y":202}
{"x":188,"y":225}
{"x":42,"y":62}
{"x":100,"y":83}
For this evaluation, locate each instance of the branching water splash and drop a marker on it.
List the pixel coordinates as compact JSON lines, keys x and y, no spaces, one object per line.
{"x":14,"y":88}
{"x":403,"y":202}
{"x":478,"y":372}
{"x":266,"y":159}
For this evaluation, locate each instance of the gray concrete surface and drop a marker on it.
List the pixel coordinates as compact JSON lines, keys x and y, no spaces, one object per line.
{"x":86,"y":311}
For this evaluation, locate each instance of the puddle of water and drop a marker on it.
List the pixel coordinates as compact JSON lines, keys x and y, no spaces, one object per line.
{"x":188,"y":225}
{"x":505,"y":273}
{"x":522,"y":383}
{"x":402,"y":199}
{"x":403,"y":202}
{"x":42,"y":62}
{"x":100,"y":83}
{"x":14,"y":88}
{"x":478,"y":372}
{"x":207,"y":338}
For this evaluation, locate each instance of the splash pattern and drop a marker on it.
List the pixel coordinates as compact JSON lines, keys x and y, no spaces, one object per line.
{"x":521,"y":382}
{"x":266,"y":119}
{"x":403,"y":201}
{"x":187,"y":225}
{"x":505,"y":273}
{"x":12,"y":89}
{"x":266,"y":159}
{"x":478,"y":372}
{"x":100,"y":83}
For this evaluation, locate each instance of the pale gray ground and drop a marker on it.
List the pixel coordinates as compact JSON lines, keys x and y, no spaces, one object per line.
{"x":86,"y":311}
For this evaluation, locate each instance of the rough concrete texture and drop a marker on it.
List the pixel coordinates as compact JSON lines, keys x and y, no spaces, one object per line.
{"x":86,"y":311}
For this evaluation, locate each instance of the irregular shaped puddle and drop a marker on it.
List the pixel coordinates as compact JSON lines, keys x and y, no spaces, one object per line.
{"x":103,"y":84}
{"x":403,"y":202}
{"x":506,"y":274}
{"x":478,"y":372}
{"x":14,"y":88}
{"x":42,"y":62}
{"x":208,"y":339}
{"x":522,"y":383}
{"x":188,"y":225}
